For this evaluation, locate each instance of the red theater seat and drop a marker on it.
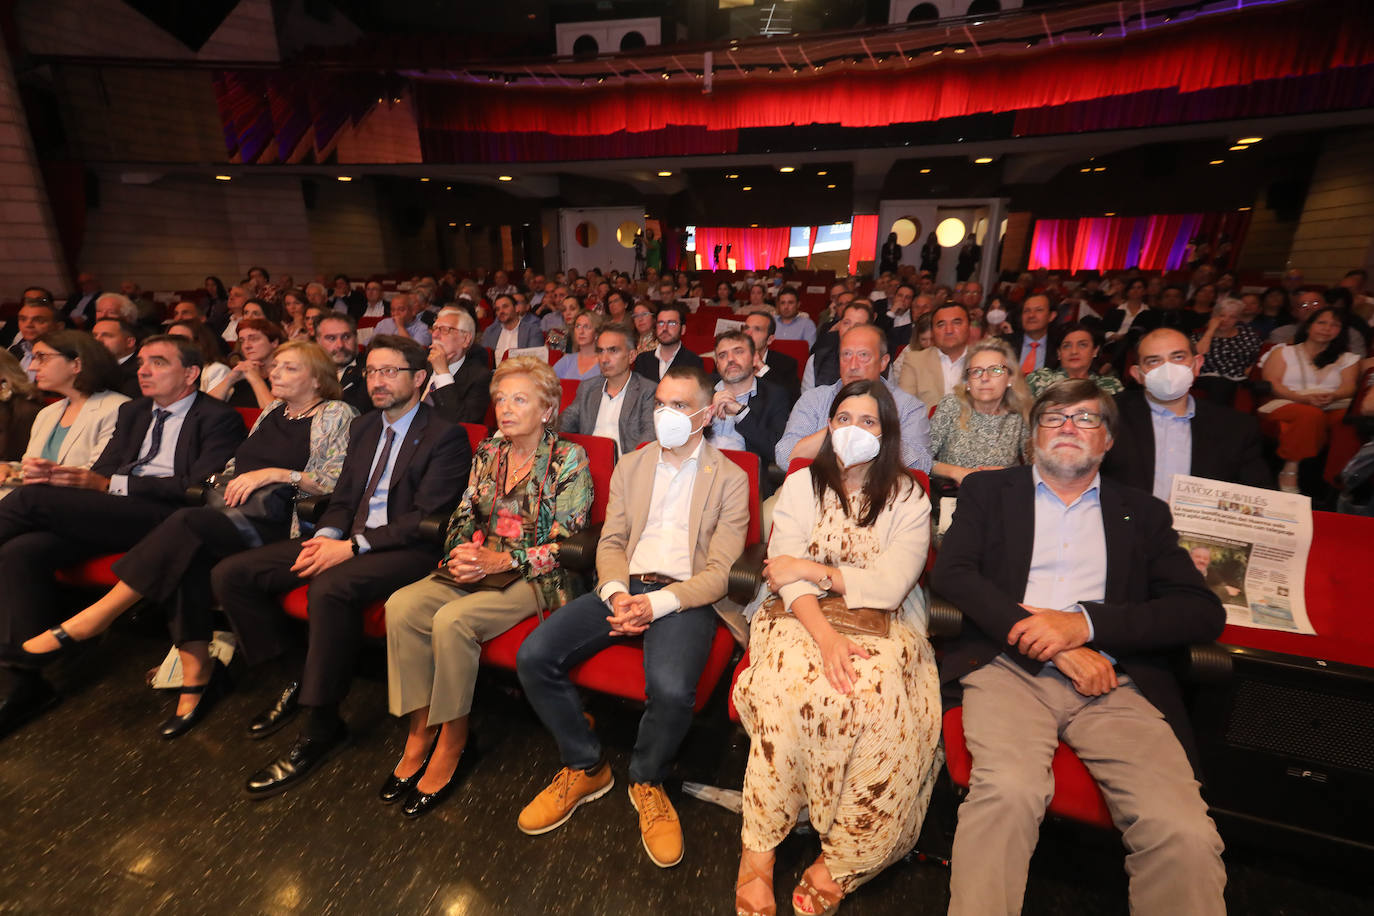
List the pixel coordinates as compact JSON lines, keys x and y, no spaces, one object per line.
{"x":797,"y":349}
{"x":569,"y":392}
{"x":93,"y":573}
{"x":250,"y":415}
{"x":476,"y":434}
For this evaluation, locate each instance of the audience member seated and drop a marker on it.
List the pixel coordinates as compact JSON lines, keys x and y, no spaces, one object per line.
{"x":644,"y":315}
{"x":981,"y":425}
{"x":1165,"y":431}
{"x":511,"y":330}
{"x":1304,"y":304}
{"x":74,"y":430}
{"x":37,"y":316}
{"x":121,"y":340}
{"x":528,"y":491}
{"x":778,"y":368}
{"x":337,"y":335}
{"x":1069,"y":616}
{"x":793,"y":323}
{"x":216,"y":298}
{"x":558,"y":324}
{"x":932,"y":373}
{"x":214,"y":369}
{"x":20,"y":404}
{"x":748,"y":413}
{"x":823,"y":366}
{"x":1229,"y":348}
{"x":297,"y":444}
{"x":139,"y":480}
{"x":654,"y":586}
{"x":373,"y":304}
{"x":403,"y":320}
{"x":841,"y":696}
{"x":1073,"y":357}
{"x":617,"y":307}
{"x":617,"y":403}
{"x":1169,"y":312}
{"x":670,"y":352}
{"x":1031,"y":341}
{"x":581,"y":361}
{"x":246,"y":384}
{"x":460,"y":385}
{"x":367,"y":545}
{"x":1117,"y":323}
{"x":725,"y":296}
{"x":1313,"y":379}
{"x":227,"y":325}
{"x":863,"y":355}
{"x":343,"y":297}
{"x":293,"y":313}
{"x":79,"y":309}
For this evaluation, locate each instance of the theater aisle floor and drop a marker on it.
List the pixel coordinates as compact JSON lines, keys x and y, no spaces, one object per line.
{"x":101,"y":816}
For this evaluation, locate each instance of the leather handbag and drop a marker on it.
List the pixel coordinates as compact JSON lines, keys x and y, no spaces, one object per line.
{"x":852,"y":621}
{"x":270,"y":506}
{"x":492,"y":582}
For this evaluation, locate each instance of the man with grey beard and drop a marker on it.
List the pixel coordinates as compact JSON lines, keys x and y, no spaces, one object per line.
{"x":1074,"y":590}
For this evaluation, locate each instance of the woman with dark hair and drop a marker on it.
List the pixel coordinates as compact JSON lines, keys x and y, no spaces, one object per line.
{"x":214,"y":369}
{"x":263,"y":309}
{"x":841,"y":699}
{"x":19,"y":405}
{"x":644,"y":314}
{"x":246,"y":383}
{"x":1074,"y":355}
{"x":1313,"y":379}
{"x":293,"y":317}
{"x":725,"y":295}
{"x":930,"y":255}
{"x":296,"y":445}
{"x":218,"y":295}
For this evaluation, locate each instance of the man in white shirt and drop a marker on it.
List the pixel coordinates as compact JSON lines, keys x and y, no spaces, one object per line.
{"x":675,"y":524}
{"x":373,"y":304}
{"x":404,"y":321}
{"x":510,"y":330}
{"x":617,"y":404}
{"x":932,"y":373}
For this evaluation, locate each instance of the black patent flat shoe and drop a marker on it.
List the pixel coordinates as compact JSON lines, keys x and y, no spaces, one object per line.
{"x":275,"y":717}
{"x":210,"y":693}
{"x":396,"y":787}
{"x":418,"y":804}
{"x":18,"y":656}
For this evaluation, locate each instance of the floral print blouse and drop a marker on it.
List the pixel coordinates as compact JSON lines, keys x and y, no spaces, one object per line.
{"x":555,"y":504}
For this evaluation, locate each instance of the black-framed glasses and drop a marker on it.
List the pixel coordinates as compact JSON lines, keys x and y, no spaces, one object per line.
{"x":1083,"y":419}
{"x":386,"y":372}
{"x":990,"y":371}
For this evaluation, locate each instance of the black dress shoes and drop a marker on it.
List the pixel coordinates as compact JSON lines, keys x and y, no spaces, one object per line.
{"x":210,"y":693}
{"x":20,"y":658}
{"x":284,"y":772}
{"x":29,"y":696}
{"x":274,"y":717}
{"x":419,"y":803}
{"x":396,"y":787}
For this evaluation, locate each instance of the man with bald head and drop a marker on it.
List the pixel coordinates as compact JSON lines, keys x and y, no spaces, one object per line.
{"x":1165,"y":431}
{"x":404,"y":321}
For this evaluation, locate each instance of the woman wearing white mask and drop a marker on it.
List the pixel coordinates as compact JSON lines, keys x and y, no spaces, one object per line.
{"x":841,"y":700}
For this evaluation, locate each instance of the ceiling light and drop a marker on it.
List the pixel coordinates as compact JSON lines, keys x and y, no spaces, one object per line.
{"x":822,"y":173}
{"x":753,"y":225}
{"x":937,"y":52}
{"x":960,"y":50}
{"x":982,"y":160}
{"x":787,"y":168}
{"x":747,"y":188}
{"x":830,"y":187}
{"x":1110,"y":213}
{"x":504,"y":178}
{"x":453,"y":225}
{"x":424,"y":179}
{"x":732,"y":176}
{"x":1242,"y":209}
{"x":1099,"y":168}
{"x":925,"y":171}
{"x":223,"y":178}
{"x":665,"y":174}
{"x":1238,"y":147}
{"x":1249,"y":140}
{"x":1085,"y":170}
{"x":345,"y":178}
{"x":1216,"y":162}
{"x":467,"y":225}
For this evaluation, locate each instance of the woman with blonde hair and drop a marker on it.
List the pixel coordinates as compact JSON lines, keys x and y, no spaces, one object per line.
{"x":981,"y":425}
{"x":581,"y":362}
{"x":527,"y":492}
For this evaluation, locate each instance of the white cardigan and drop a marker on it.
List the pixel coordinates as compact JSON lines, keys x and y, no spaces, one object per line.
{"x":903,"y":528}
{"x":90,"y":432}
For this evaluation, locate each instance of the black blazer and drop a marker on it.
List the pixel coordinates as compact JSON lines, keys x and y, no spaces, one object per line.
{"x":209,"y":435}
{"x":467,"y":399}
{"x":1226,"y":445}
{"x":763,"y":425}
{"x":646,"y":364}
{"x":355,"y":387}
{"x":1156,"y":599}
{"x":782,"y":372}
{"x":430,"y":475}
{"x":125,"y":380}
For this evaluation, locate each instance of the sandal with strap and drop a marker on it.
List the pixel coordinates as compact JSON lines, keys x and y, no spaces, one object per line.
{"x":827,"y":902}
{"x":750,"y":874}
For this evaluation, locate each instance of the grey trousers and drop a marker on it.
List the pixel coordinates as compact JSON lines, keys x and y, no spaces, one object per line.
{"x":434,"y":636}
{"x":1013,"y":722}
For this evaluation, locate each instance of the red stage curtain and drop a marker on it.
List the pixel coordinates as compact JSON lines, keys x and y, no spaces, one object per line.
{"x":811,"y":244}
{"x":1158,"y":243}
{"x":1230,"y":50}
{"x":752,"y":249}
{"x":863,"y":240}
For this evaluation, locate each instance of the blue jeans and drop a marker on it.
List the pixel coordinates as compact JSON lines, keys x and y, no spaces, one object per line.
{"x":675,"y":650}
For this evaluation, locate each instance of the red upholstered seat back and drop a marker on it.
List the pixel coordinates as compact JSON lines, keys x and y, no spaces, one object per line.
{"x":601,"y":460}
{"x":569,"y":392}
{"x":476,"y":433}
{"x":249,"y":414}
{"x":749,"y":462}
{"x":797,"y":349}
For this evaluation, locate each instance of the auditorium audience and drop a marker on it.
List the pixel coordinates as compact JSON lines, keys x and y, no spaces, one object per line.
{"x":1305,"y":302}
{"x":403,"y":320}
{"x":581,"y":362}
{"x":1229,"y":348}
{"x":79,"y":308}
{"x":981,"y":424}
{"x":460,"y":379}
{"x":214,"y":370}
{"x":1074,"y":356}
{"x":841,"y":696}
{"x":748,"y":412}
{"x":20,"y":404}
{"x":932,"y":373}
{"x":670,"y":352}
{"x":644,"y":314}
{"x":1313,"y":379}
{"x":293,"y":313}
{"x":528,"y":491}
{"x":617,"y":402}
{"x":246,"y":384}
{"x":793,"y":323}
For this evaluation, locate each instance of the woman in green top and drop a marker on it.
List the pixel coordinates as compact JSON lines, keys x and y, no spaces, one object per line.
{"x":1073,"y":358}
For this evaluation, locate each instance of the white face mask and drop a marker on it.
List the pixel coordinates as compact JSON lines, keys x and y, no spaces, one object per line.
{"x":672,"y":427}
{"x":995,"y":317}
{"x":853,"y":446}
{"x":1170,"y":381}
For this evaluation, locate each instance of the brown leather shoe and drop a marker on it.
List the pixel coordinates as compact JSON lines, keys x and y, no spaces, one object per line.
{"x":658,"y":824}
{"x":570,"y":788}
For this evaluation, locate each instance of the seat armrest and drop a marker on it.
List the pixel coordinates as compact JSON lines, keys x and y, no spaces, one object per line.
{"x":311,"y":508}
{"x":433,"y":527}
{"x":1205,"y":663}
{"x":746,"y":575}
{"x":946,"y":620}
{"x":579,"y":551}
{"x":195,"y":494}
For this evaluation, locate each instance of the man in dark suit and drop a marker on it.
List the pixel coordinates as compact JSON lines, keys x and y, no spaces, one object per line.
{"x":337,"y":335}
{"x":1031,"y":339}
{"x":670,"y":352}
{"x":461,"y":385}
{"x":748,"y":413}
{"x":163,"y":442}
{"x":37,"y":316}
{"x":121,"y":339}
{"x":778,"y":368}
{"x":618,"y":403}
{"x":344,"y":298}
{"x":1166,"y":431}
{"x":79,"y":309}
{"x":1074,"y":591}
{"x":404,"y":462}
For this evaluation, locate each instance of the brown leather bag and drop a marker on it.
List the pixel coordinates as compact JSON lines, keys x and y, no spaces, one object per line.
{"x":852,"y":621}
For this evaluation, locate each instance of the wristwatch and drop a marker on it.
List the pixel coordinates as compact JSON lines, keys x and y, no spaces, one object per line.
{"x":825,"y":582}
{"x":295,"y":478}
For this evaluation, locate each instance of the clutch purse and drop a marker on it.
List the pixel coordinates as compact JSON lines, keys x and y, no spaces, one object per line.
{"x":492,"y":582}
{"x":852,"y":621}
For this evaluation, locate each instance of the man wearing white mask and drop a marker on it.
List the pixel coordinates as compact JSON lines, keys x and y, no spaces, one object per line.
{"x":1165,"y":431}
{"x":675,"y":524}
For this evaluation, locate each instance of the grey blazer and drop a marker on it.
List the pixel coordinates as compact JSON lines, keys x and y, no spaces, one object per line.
{"x":636,"y":416}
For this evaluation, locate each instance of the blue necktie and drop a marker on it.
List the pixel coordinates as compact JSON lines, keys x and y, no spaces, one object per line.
{"x":159,"y":421}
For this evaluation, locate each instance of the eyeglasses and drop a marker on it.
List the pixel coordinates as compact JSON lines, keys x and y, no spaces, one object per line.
{"x":41,"y":358}
{"x":386,"y":372}
{"x":670,"y":323}
{"x":445,"y":329}
{"x":1083,"y":419}
{"x":990,"y":371}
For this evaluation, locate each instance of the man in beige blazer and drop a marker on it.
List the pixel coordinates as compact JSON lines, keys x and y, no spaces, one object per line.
{"x":932,"y":373}
{"x":675,"y":524}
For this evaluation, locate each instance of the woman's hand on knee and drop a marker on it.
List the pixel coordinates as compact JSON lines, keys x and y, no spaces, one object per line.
{"x":835,"y":653}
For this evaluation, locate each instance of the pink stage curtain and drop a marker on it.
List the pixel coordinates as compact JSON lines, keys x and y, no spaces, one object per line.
{"x":863,"y":240}
{"x":1159,"y":242}
{"x":752,"y":249}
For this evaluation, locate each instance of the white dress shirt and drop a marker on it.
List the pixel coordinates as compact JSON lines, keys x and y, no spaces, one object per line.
{"x":665,"y":363}
{"x":444,"y":379}
{"x":608,"y":414}
{"x":509,"y":340}
{"x":952,"y":369}
{"x":163,"y":464}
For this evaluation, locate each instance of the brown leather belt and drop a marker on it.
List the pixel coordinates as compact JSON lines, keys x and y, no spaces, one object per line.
{"x":654,"y":579}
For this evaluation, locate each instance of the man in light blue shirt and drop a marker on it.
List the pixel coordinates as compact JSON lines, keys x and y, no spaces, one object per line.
{"x":404,"y":321}
{"x":792,"y":325}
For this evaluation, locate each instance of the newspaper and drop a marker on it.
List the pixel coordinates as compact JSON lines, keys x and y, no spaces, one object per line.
{"x":1250,"y":545}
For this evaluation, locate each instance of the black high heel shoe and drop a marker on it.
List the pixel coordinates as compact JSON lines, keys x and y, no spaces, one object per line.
{"x":18,"y":655}
{"x":211,"y":692}
{"x":396,"y":787}
{"x":419,"y":803}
